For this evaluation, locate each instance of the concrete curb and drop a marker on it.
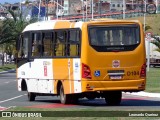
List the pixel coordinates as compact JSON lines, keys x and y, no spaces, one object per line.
{"x":12,"y":70}
{"x":145,"y":94}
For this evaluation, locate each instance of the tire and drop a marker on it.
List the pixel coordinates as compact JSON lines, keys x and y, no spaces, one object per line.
{"x":64,"y":98}
{"x":31,"y":96}
{"x":113,"y":98}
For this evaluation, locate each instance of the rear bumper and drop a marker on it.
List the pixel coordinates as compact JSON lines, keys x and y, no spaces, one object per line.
{"x":125,"y":85}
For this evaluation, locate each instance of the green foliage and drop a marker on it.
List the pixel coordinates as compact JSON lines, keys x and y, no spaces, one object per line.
{"x":7,"y":67}
{"x":147,"y":27}
{"x":11,"y":28}
{"x":152,"y":83}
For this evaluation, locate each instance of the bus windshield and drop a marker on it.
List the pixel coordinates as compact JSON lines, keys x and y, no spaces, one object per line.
{"x":110,"y":38}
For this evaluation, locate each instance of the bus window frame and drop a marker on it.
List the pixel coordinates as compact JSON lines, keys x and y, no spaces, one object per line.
{"x":31,"y":58}
{"x":19,"y":58}
{"x":80,"y":41}
{"x":52,"y":40}
{"x":30,"y":44}
{"x":122,"y":49}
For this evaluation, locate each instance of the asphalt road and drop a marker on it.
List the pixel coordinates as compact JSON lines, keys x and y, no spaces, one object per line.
{"x":10,"y":96}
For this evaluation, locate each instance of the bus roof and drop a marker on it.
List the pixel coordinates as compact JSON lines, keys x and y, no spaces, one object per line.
{"x":55,"y":24}
{"x":47,"y":25}
{"x":113,"y":20}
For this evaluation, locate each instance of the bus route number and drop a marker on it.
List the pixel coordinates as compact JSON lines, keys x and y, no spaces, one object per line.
{"x":132,"y":73}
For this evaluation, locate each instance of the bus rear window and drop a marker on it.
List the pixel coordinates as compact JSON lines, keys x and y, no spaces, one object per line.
{"x":114,"y":38}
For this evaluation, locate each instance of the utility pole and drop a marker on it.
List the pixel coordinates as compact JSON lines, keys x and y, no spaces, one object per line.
{"x":100,"y":8}
{"x":39,"y":10}
{"x":20,"y":6}
{"x":57,"y":9}
{"x":124,"y":7}
{"x":157,"y":6}
{"x":83,"y":8}
{"x":92,"y":9}
{"x":47,"y":9}
{"x":86,"y":8}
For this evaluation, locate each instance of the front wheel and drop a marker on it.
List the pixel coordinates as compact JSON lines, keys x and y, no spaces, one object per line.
{"x":113,"y":97}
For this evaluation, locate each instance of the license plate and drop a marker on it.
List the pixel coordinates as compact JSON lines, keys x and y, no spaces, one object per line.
{"x":116,"y":77}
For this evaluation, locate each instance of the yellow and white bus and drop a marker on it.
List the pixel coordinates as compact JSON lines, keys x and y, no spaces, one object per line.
{"x":99,"y":58}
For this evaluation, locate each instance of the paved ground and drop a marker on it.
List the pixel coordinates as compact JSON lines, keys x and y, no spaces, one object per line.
{"x":10,"y":97}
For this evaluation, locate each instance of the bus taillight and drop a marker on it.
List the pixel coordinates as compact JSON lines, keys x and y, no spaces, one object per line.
{"x":86,"y":72}
{"x":143,"y":71}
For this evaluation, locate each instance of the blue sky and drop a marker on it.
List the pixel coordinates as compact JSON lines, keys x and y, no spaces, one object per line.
{"x":9,"y":1}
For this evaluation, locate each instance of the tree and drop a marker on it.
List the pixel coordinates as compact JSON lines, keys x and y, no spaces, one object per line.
{"x":11,"y":29}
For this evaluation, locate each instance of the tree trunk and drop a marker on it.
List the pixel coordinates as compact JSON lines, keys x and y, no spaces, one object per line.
{"x":2,"y":59}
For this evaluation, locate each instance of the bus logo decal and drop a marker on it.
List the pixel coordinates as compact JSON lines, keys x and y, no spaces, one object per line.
{"x":115,"y":63}
{"x":45,"y":70}
{"x":97,"y":73}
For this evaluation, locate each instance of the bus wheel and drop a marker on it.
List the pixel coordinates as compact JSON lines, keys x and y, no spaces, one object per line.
{"x":113,"y":98}
{"x":64,"y":98}
{"x":31,"y":96}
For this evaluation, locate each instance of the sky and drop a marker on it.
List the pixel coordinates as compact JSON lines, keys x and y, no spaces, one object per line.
{"x":9,"y":1}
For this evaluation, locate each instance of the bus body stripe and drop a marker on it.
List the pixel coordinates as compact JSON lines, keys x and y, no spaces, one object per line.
{"x":77,"y":75}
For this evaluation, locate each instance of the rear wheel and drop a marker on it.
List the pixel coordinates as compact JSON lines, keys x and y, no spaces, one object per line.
{"x":113,"y":97}
{"x":64,"y":98}
{"x":31,"y":96}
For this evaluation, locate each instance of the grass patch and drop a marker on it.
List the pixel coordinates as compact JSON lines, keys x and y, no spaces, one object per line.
{"x":153,"y":80}
{"x":7,"y":67}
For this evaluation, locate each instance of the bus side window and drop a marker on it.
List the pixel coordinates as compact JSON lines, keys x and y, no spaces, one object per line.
{"x":23,"y":52}
{"x":74,"y":43}
{"x":59,"y":44}
{"x":47,"y":44}
{"x":36,"y":44}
